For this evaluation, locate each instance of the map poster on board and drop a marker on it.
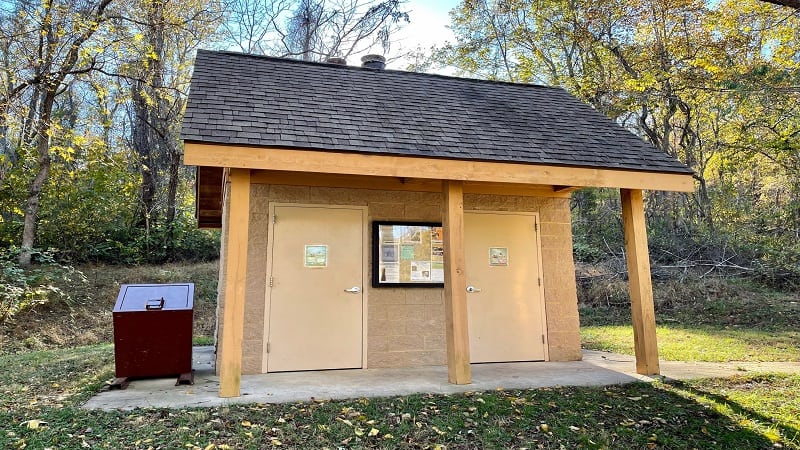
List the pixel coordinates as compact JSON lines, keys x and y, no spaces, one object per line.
{"x":407,"y":254}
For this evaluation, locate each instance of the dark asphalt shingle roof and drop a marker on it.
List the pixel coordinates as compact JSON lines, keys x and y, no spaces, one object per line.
{"x":243,"y":99}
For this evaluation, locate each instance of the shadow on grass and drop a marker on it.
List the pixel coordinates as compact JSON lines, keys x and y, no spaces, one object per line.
{"x":637,"y":415}
{"x":788,"y":433}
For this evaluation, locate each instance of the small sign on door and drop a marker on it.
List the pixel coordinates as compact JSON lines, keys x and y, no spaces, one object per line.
{"x":316,"y":256}
{"x":498,"y":256}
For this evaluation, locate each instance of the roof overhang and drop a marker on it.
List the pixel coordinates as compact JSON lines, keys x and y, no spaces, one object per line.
{"x":317,"y":161}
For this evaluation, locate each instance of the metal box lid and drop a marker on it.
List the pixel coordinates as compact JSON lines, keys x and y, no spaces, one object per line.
{"x":155,"y":297}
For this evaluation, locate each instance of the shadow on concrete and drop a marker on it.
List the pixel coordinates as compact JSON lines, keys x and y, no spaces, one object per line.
{"x":596,"y":369}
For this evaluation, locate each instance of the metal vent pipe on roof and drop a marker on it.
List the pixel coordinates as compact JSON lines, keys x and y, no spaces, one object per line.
{"x":336,"y":60}
{"x":373,"y":62}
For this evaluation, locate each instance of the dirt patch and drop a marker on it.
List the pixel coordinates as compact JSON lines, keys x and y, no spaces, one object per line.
{"x":87,"y":318}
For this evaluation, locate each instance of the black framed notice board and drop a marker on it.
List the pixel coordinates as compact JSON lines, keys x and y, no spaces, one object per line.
{"x":408,"y":254}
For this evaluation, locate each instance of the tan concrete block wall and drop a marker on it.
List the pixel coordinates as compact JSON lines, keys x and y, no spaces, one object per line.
{"x":405,"y":326}
{"x":223,"y":243}
{"x":253,"y":332}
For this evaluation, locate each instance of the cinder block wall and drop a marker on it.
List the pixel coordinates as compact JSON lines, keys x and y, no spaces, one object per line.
{"x":405,"y":326}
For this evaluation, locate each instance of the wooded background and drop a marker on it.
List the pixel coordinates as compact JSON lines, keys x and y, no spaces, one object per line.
{"x":92,"y":94}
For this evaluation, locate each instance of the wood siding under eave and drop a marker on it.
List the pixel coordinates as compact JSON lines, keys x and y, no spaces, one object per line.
{"x":208,"y":197}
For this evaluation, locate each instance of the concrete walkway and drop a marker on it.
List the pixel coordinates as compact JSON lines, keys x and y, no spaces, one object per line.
{"x":596,"y":369}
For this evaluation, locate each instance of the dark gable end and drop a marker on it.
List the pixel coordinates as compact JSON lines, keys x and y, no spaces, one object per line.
{"x":248,"y":100}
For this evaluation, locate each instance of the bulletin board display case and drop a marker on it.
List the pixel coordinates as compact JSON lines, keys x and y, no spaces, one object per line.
{"x":409,"y":254}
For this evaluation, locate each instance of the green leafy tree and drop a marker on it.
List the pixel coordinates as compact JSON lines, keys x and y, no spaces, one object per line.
{"x":51,"y":44}
{"x":713,"y":84}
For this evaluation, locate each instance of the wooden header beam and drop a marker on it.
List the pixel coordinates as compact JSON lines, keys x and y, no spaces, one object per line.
{"x":398,"y":184}
{"x":315,"y":161}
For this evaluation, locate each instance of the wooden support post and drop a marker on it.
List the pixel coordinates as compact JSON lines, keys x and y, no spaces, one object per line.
{"x":230,"y":370}
{"x":455,"y":284}
{"x":641,"y":287}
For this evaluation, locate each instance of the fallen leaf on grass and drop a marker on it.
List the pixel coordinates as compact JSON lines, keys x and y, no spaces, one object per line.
{"x":33,"y":423}
{"x":373,"y":432}
{"x":345,"y":421}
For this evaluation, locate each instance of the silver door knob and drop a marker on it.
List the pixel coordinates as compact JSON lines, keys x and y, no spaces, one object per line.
{"x":353,"y":290}
{"x":472,"y":289}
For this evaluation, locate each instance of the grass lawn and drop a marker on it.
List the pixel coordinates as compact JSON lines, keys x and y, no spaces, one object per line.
{"x":42,"y":391}
{"x":706,"y":343}
{"x":700,"y":320}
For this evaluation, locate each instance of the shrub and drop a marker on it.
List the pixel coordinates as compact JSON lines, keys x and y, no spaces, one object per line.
{"x":184,"y":242}
{"x":23,"y":288}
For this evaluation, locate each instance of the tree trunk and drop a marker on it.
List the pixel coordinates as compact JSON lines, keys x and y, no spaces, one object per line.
{"x":172,"y":194}
{"x":143,"y":145}
{"x":148,"y":139}
{"x":35,"y":191}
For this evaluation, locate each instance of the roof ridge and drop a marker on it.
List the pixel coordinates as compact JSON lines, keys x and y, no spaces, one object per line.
{"x":366,"y":69}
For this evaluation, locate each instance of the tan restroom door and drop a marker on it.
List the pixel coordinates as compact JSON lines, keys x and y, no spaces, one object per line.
{"x":505,"y":308}
{"x":316,"y":298}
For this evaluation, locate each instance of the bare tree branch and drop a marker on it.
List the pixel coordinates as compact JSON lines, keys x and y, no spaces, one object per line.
{"x":790,"y":3}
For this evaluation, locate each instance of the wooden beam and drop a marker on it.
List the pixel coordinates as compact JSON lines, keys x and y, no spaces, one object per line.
{"x":524,"y":190}
{"x":565,"y":188}
{"x":345,"y":181}
{"x":230,"y":370}
{"x":455,"y":284}
{"x":316,"y":161}
{"x":397,"y":184}
{"x":641,"y":288}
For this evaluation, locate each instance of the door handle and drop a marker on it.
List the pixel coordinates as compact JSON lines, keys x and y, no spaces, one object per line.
{"x":472,"y":289}
{"x":353,"y":290}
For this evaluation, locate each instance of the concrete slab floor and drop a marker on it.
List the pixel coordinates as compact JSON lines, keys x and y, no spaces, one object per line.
{"x":596,"y":369}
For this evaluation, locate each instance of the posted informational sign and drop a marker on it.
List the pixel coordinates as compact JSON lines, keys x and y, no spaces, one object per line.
{"x":407,"y":254}
{"x":498,"y":256}
{"x":316,"y":256}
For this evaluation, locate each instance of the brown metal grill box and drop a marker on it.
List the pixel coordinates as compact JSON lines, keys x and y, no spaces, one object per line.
{"x":153,"y":330}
